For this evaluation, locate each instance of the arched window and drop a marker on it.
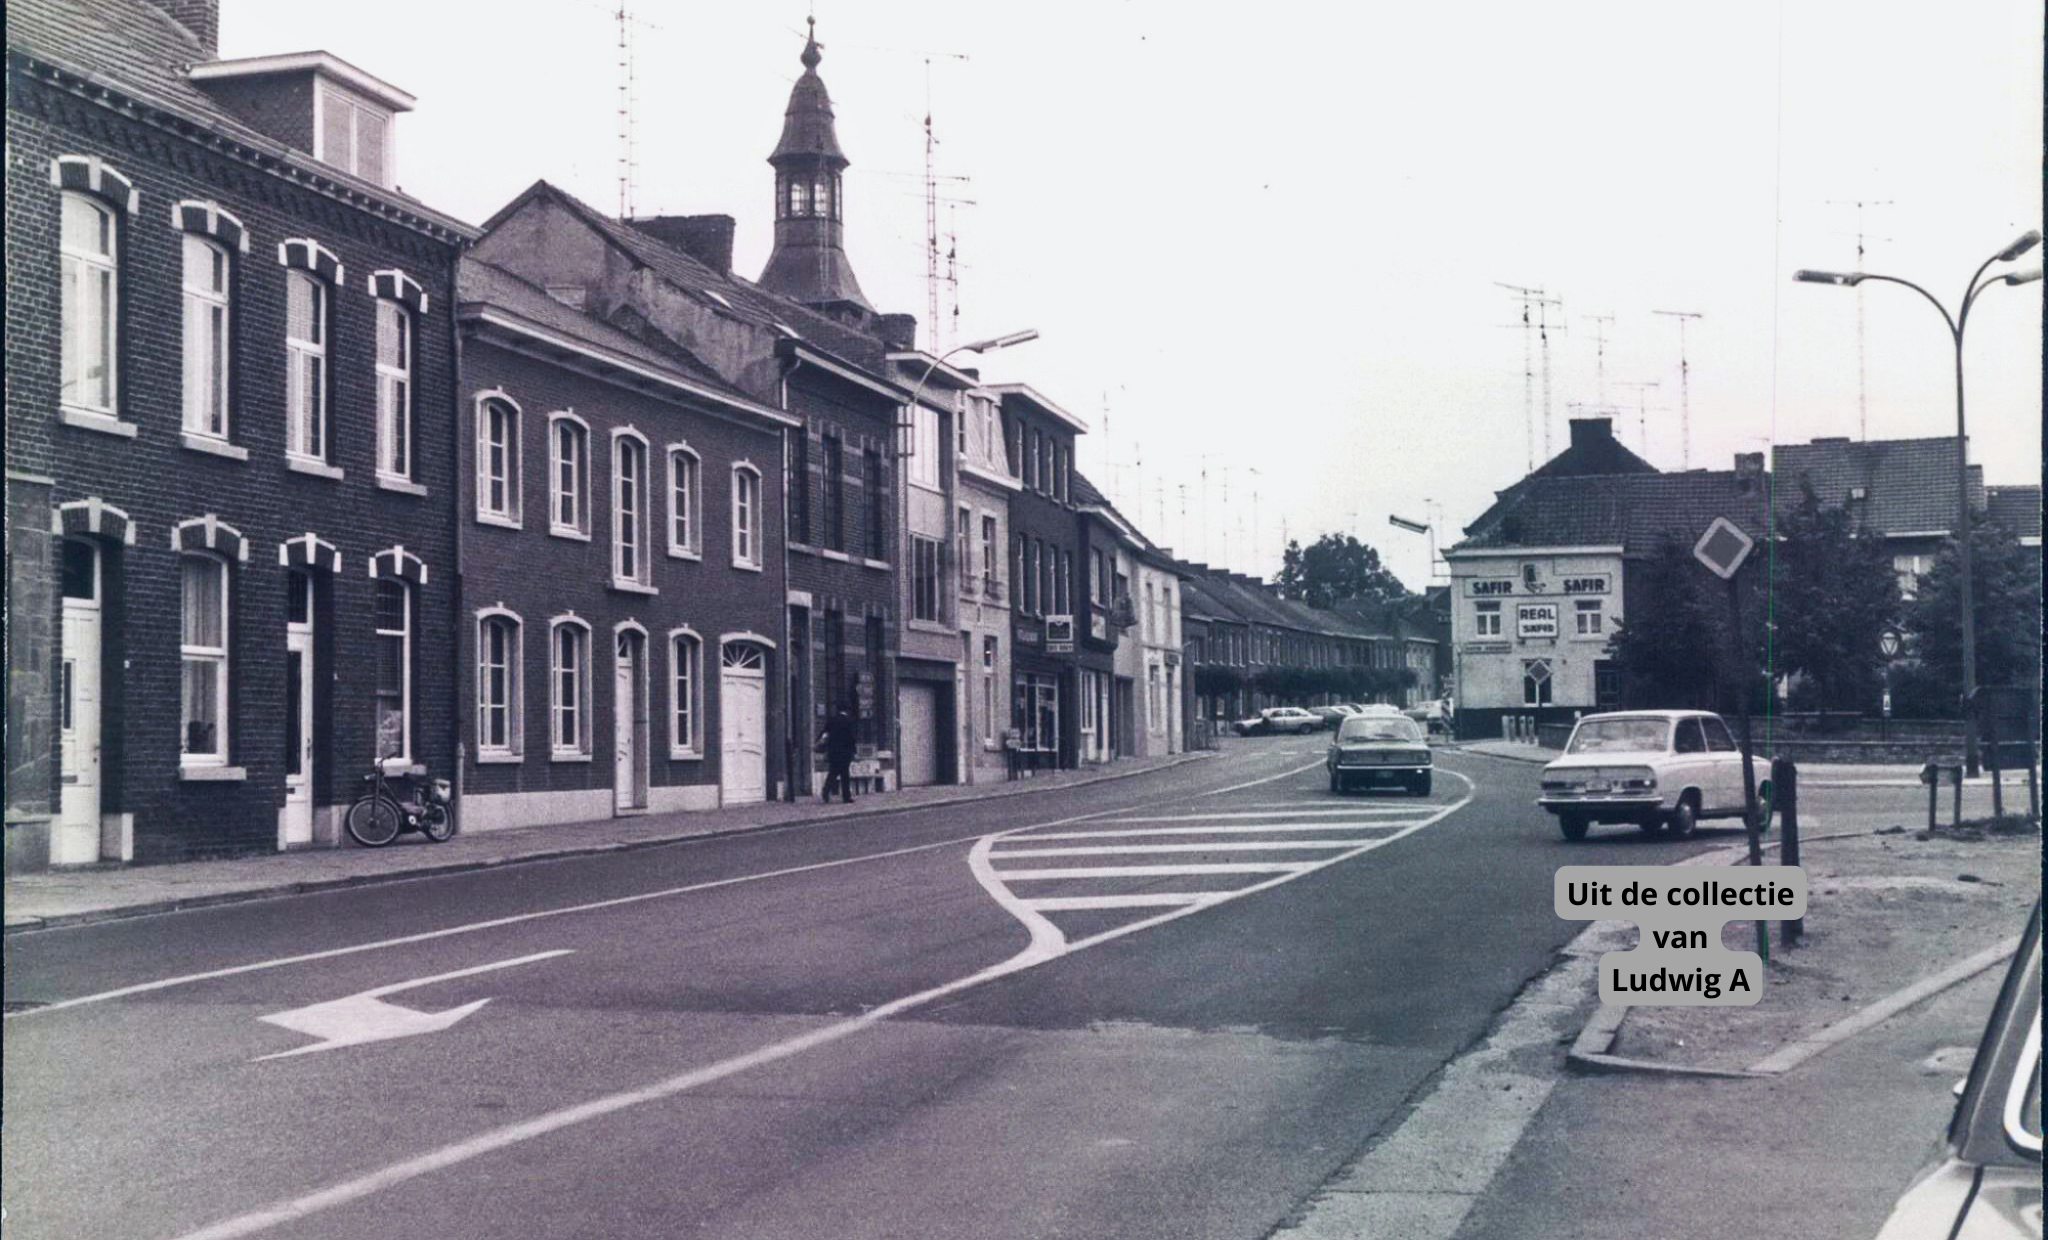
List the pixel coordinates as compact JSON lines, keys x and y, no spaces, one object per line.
{"x":498,"y":680}
{"x":394,"y":389}
{"x":746,"y":516}
{"x":685,"y":512}
{"x":208,"y":272}
{"x":497,"y":460}
{"x":89,"y":245}
{"x":568,"y":475}
{"x":686,"y":672}
{"x":569,"y":688}
{"x":394,"y":668}
{"x":203,"y":651}
{"x":629,"y":509}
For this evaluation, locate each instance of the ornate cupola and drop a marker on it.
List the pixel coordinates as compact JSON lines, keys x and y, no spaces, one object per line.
{"x":809,"y":262}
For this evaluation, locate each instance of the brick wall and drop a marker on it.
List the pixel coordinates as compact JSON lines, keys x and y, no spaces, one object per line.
{"x":159,"y":482}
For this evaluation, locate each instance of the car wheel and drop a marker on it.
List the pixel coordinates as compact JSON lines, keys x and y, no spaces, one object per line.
{"x":1573,"y":827}
{"x":1685,"y":819}
{"x":1336,"y":785}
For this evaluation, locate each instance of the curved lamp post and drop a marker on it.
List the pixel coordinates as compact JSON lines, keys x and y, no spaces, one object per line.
{"x":1956,"y":323}
{"x":993,"y":343}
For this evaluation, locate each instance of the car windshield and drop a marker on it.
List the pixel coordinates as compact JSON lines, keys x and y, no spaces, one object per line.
{"x":1620,"y":736}
{"x":1378,"y":729}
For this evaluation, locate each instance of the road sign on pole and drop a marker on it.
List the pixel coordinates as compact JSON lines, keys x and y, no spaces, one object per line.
{"x":1723,"y":548}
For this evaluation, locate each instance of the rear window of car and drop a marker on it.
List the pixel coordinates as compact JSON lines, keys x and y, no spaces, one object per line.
{"x":1369,"y":728}
{"x":1619,"y":736}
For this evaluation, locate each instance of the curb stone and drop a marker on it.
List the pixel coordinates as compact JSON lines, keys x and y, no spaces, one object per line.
{"x":299,"y":887}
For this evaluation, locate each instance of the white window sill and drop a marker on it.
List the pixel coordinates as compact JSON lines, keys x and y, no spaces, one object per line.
{"x":499,"y":759}
{"x":685,"y":553}
{"x":685,"y":755}
{"x":404,"y":486}
{"x":208,"y":443}
{"x":212,"y":774}
{"x":563,"y":531}
{"x":632,"y":587}
{"x":307,"y":465}
{"x":561,"y":756}
{"x":930,"y":626}
{"x":94,"y":420}
{"x":748,"y":566}
{"x":499,"y":519}
{"x":880,"y":564}
{"x":840,"y":556}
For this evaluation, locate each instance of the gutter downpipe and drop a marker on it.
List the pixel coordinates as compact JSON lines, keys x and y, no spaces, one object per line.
{"x":455,"y":495}
{"x":790,"y":749}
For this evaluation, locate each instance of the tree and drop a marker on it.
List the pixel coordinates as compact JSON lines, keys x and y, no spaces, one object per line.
{"x":1672,"y":651}
{"x":1334,"y":569}
{"x":2006,"y":593}
{"x":1829,"y":597}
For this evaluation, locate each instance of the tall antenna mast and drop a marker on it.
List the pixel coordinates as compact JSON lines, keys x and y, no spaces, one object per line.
{"x":1534,"y":297}
{"x":1600,"y":351}
{"x":625,"y":21}
{"x":1862,"y":367}
{"x":1642,"y":413}
{"x":952,"y":280}
{"x":931,"y":217}
{"x":1684,"y":387}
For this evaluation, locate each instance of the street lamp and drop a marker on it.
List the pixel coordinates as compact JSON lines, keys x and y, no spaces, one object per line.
{"x":1956,"y":323}
{"x":1004,"y":341}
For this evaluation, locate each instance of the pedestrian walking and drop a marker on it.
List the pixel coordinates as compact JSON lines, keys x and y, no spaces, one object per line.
{"x":837,"y":744}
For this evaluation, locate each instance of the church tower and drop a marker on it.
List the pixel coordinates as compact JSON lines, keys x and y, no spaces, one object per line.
{"x":809,"y":262}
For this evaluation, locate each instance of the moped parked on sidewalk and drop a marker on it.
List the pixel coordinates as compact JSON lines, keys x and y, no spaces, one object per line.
{"x":400,"y":799}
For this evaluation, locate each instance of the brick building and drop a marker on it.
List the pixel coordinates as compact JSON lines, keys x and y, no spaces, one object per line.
{"x":621,"y":569}
{"x":1900,"y":490}
{"x":230,"y":470}
{"x":1045,"y":709}
{"x":986,"y":484}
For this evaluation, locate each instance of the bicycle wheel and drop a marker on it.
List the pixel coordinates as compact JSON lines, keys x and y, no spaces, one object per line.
{"x":438,"y":827}
{"x":374,"y":821}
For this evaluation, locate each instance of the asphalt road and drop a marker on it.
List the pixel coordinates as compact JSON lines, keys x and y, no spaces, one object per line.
{"x":1167,"y":1006}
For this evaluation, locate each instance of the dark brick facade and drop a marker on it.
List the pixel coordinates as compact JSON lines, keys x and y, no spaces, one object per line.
{"x":1044,"y":529}
{"x":157,"y":482}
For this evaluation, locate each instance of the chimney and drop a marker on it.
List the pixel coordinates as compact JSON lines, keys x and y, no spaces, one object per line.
{"x":1749,"y":471}
{"x":1592,"y":432}
{"x":200,"y":18}
{"x":706,"y":238}
{"x":898,"y":331}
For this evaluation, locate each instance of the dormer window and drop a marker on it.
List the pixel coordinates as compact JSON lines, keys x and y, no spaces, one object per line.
{"x":354,"y":135}
{"x":353,"y":113}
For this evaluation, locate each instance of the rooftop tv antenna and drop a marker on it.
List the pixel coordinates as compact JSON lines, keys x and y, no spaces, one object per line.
{"x":1684,"y":387}
{"x":1862,"y":369}
{"x":1540,"y":329}
{"x":1600,"y":351}
{"x":933,"y":332}
{"x":1642,"y":386}
{"x":625,"y":20}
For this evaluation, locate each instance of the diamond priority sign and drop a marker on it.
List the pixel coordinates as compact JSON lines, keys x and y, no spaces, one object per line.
{"x":1723,"y":547}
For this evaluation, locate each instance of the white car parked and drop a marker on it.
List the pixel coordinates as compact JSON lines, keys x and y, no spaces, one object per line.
{"x":1654,"y":768}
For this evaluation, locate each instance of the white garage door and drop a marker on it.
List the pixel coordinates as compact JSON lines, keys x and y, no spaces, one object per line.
{"x":918,"y":704}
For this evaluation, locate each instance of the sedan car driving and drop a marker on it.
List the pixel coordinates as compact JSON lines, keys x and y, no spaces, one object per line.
{"x":1379,"y":750}
{"x":1277,"y":719}
{"x":1658,"y":769}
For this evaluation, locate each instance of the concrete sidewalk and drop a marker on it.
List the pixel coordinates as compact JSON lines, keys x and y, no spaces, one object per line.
{"x":99,"y":893}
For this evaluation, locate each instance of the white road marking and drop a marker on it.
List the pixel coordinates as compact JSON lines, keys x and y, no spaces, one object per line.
{"x":1145,"y":899}
{"x":1269,"y":813}
{"x":1222,"y":846}
{"x":1316,"y":765}
{"x":1154,"y":871}
{"x":1047,"y":943}
{"x":365,"y":1017}
{"x":1229,"y":829}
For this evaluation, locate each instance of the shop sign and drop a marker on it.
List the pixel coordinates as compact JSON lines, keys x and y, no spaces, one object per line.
{"x":1536,"y":620}
{"x":1585,"y":585}
{"x":1059,"y":635}
{"x":1490,"y":587}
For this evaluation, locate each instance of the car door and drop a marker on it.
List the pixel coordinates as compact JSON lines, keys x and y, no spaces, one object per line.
{"x":1726,"y":758}
{"x":1691,"y":765}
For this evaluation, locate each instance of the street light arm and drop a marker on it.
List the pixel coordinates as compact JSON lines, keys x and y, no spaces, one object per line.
{"x":1954,"y":328}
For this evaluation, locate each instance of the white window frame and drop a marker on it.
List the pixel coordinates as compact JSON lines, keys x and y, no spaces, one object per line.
{"x":395,"y":392}
{"x":208,"y":324}
{"x":1486,"y":619}
{"x":508,"y":513}
{"x":628,"y":443}
{"x":306,"y":429}
{"x":686,"y":709}
{"x":991,"y":553}
{"x":409,"y":592}
{"x":922,"y":549}
{"x":685,"y":474}
{"x":1596,"y":610}
{"x":578,"y":493}
{"x":746,"y":516}
{"x":82,"y":347}
{"x":513,"y":705}
{"x":217,"y":656}
{"x":326,"y":97}
{"x":578,"y":747}
{"x":923,"y":469}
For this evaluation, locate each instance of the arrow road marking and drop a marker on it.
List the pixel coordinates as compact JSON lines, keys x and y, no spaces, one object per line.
{"x":365,"y":1017}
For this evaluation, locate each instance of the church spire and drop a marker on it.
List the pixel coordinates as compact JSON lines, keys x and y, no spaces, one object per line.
{"x":809,"y":263}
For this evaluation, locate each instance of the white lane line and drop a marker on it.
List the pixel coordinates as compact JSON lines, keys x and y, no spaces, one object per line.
{"x":1220,"y":846}
{"x":1366,"y":810}
{"x":1263,"y":828}
{"x":1155,"y":871}
{"x":1267,"y":780}
{"x":1047,"y":943}
{"x":1148,"y":899}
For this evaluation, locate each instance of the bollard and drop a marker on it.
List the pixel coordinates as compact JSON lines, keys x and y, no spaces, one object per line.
{"x":1930,"y":775}
{"x":1956,"y":774}
{"x":1785,"y":798}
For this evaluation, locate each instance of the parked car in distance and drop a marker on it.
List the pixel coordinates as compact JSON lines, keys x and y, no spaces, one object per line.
{"x":1658,"y":769}
{"x":1433,"y":716}
{"x":1276,"y":719}
{"x":1334,"y":715}
{"x":1986,"y":1183}
{"x":1382,"y":750}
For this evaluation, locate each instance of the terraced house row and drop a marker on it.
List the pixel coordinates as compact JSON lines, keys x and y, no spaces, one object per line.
{"x":303,"y":474}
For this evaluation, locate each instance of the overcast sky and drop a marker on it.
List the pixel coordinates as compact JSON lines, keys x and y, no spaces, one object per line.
{"x":1261,"y":241}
